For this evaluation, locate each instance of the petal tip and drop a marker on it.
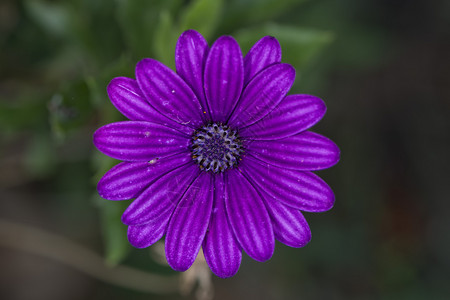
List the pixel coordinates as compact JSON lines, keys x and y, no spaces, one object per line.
{"x":191,"y":33}
{"x":321,"y":106}
{"x":96,"y":136}
{"x":326,"y":203}
{"x":305,"y":240}
{"x":226,"y":38}
{"x":263,"y":253}
{"x":226,"y":273}
{"x":303,"y":243}
{"x":330,"y":201}
{"x":102,"y":189}
{"x":270,"y":37}
{"x":137,"y":243}
{"x":127,"y":219}
{"x":272,"y":40}
{"x":262,"y":256}
{"x":107,"y":192}
{"x":337,"y":154}
{"x":144,"y":64}
{"x":297,"y":243}
{"x":229,"y":42}
{"x":180,"y":265}
{"x":289,"y":69}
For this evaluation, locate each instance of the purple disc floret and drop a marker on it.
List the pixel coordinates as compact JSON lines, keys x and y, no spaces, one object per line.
{"x":216,"y":155}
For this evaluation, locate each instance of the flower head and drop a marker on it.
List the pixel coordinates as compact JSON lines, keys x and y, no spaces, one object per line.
{"x":216,"y":155}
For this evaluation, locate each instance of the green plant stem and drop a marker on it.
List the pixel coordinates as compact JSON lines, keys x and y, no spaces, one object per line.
{"x":39,"y":242}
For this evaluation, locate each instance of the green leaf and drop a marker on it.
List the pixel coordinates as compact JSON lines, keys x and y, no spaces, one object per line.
{"x":203,"y":16}
{"x":300,"y":46}
{"x":53,"y":17}
{"x":40,"y":157}
{"x":138,"y":20}
{"x":23,"y":114}
{"x":114,"y":231}
{"x":248,"y":12}
{"x":165,"y":39}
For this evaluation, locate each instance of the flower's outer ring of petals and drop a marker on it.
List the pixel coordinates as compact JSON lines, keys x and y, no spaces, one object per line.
{"x":299,"y":189}
{"x":262,"y":94}
{"x":139,"y":141}
{"x":224,"y":77}
{"x":294,"y":114}
{"x":222,"y":252}
{"x":143,"y":236}
{"x":265,"y":52}
{"x":127,"y":97}
{"x":128,"y":179}
{"x":306,"y":151}
{"x":161,"y":196}
{"x":289,"y":225}
{"x":189,"y":222}
{"x":168,"y":93}
{"x":248,"y":217}
{"x":190,"y":57}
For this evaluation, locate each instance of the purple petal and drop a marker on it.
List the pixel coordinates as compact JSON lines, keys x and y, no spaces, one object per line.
{"x":289,"y":225}
{"x":143,"y":236}
{"x":221,"y":249}
{"x":161,"y":197}
{"x":306,"y":151}
{"x":294,"y":114}
{"x":301,"y":190}
{"x":139,"y":141}
{"x":168,"y":93}
{"x":262,"y":94}
{"x":127,"y":97}
{"x":190,"y":56}
{"x":265,"y":52}
{"x":224,"y":77}
{"x":189,"y":222}
{"x":127,"y":180}
{"x":248,"y":217}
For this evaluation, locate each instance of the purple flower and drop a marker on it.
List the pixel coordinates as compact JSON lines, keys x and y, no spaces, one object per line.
{"x":216,"y":154}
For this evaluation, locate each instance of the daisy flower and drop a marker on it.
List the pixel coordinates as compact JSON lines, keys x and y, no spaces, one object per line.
{"x":217,"y":155}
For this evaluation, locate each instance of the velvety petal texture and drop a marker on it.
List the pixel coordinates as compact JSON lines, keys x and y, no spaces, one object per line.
{"x":224,"y":78}
{"x":220,"y":247}
{"x":190,"y":57}
{"x":161,"y":196}
{"x":293,"y":115}
{"x":168,"y":93}
{"x":298,"y":189}
{"x":289,"y":225}
{"x":128,"y":179}
{"x":248,"y":217}
{"x":262,"y":94}
{"x":265,"y":52}
{"x":127,"y":97}
{"x":189,"y":222}
{"x":216,"y":155}
{"x":139,"y":141}
{"x":304,"y":151}
{"x":142,"y":236}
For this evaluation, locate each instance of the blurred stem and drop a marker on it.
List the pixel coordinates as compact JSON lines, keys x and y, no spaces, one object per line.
{"x":36,"y":241}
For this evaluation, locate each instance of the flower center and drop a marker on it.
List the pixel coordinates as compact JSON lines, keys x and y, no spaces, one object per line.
{"x":216,"y":147}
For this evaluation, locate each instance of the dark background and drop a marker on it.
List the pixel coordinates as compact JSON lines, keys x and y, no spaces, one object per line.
{"x":382,"y":67}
